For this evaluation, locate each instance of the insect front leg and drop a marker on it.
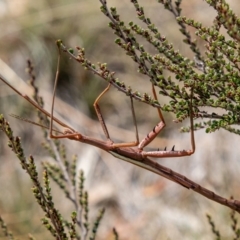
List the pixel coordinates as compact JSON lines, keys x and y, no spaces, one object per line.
{"x":158,"y":128}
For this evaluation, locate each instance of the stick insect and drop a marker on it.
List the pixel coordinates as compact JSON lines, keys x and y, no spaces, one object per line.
{"x":132,"y":152}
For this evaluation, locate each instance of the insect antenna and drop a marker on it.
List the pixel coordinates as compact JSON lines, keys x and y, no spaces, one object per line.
{"x":34,"y":123}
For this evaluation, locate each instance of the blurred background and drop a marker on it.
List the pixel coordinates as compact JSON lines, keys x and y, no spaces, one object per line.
{"x":139,"y":204}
